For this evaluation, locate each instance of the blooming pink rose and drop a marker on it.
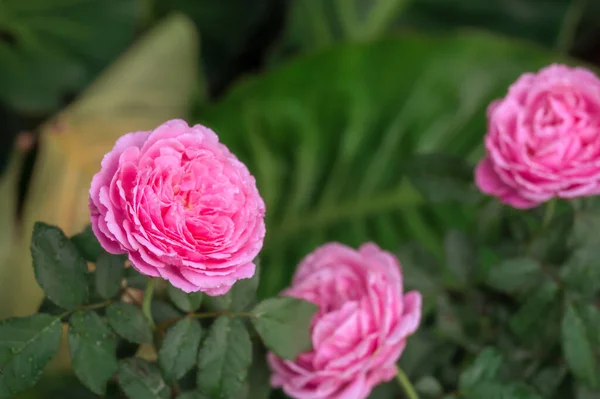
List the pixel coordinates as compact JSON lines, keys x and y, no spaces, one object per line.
{"x":181,"y":206}
{"x":543,"y":138}
{"x":360,"y":328}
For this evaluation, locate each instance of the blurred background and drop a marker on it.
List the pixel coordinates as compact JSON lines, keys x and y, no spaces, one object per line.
{"x":327,"y":101}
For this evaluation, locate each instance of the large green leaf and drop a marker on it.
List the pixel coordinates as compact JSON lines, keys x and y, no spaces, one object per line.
{"x":142,"y":380}
{"x":52,"y":48}
{"x":59,"y":268}
{"x":224,"y":359}
{"x":93,"y":348}
{"x":316,"y":24}
{"x":179,"y":350}
{"x":284,"y":325}
{"x":26,"y":346}
{"x":579,"y":344}
{"x":129,"y":322}
{"x":328,"y":137}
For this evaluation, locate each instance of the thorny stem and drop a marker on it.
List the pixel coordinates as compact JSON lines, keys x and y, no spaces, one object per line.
{"x":86,"y":307}
{"x":146,"y":310}
{"x":406,"y":385}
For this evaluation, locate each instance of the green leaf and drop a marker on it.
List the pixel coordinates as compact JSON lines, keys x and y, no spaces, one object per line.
{"x":238,"y":298}
{"x":142,"y":380}
{"x":87,"y":244}
{"x":135,"y":279}
{"x":42,"y":62}
{"x":129,"y":322}
{"x":93,"y":347}
{"x":460,"y":255}
{"x":512,"y":274}
{"x":258,"y":384}
{"x":179,"y":350}
{"x":59,"y":268}
{"x":585,"y":226}
{"x":548,"y":379}
{"x":283,"y":323}
{"x":26,"y":346}
{"x":581,"y":273}
{"x":224,"y":359}
{"x":331,"y":159}
{"x":163,"y":311}
{"x":531,"y":323}
{"x":243,"y":292}
{"x":217,"y":303}
{"x":184,"y":301}
{"x":109,"y":274}
{"x":420,"y":271}
{"x":578,"y":348}
{"x":484,"y":368}
{"x":315,"y":25}
{"x":442,"y":178}
{"x":429,"y":386}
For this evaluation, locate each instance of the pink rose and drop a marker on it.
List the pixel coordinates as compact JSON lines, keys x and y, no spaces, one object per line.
{"x":543,"y":138}
{"x":360,"y":329}
{"x":181,"y":206}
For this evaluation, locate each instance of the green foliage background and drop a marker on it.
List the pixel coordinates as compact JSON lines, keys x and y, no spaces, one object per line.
{"x":362,"y":120}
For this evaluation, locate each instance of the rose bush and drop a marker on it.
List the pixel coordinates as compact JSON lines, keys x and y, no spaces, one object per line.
{"x":360,"y":329}
{"x":542,"y":139}
{"x":181,"y":206}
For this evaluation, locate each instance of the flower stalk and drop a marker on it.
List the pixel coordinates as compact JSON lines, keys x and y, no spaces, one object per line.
{"x":146,"y":304}
{"x":406,"y":385}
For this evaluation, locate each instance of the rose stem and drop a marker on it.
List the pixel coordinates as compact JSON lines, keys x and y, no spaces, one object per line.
{"x":148,"y":300}
{"x":405,"y":384}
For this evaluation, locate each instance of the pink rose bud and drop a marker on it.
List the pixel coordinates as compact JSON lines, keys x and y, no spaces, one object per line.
{"x":361,"y":327}
{"x":543,"y":138}
{"x":181,"y":206}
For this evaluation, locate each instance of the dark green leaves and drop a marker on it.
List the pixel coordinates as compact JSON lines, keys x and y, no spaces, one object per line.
{"x":581,"y":273}
{"x":442,"y":178}
{"x":179,"y":350}
{"x":26,"y":346}
{"x":87,"y":244}
{"x":92,"y":346}
{"x":184,"y":301}
{"x":531,"y":322}
{"x":224,"y":358}
{"x":239,"y":297}
{"x":284,"y":325}
{"x":341,"y":174}
{"x":142,"y":380}
{"x":59,"y":268}
{"x":129,"y":322}
{"x":460,"y":255}
{"x":109,"y":274}
{"x":484,"y":368}
{"x":243,"y":292}
{"x":46,"y":61}
{"x":512,"y":274}
{"x":481,"y":380}
{"x":581,"y":343}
